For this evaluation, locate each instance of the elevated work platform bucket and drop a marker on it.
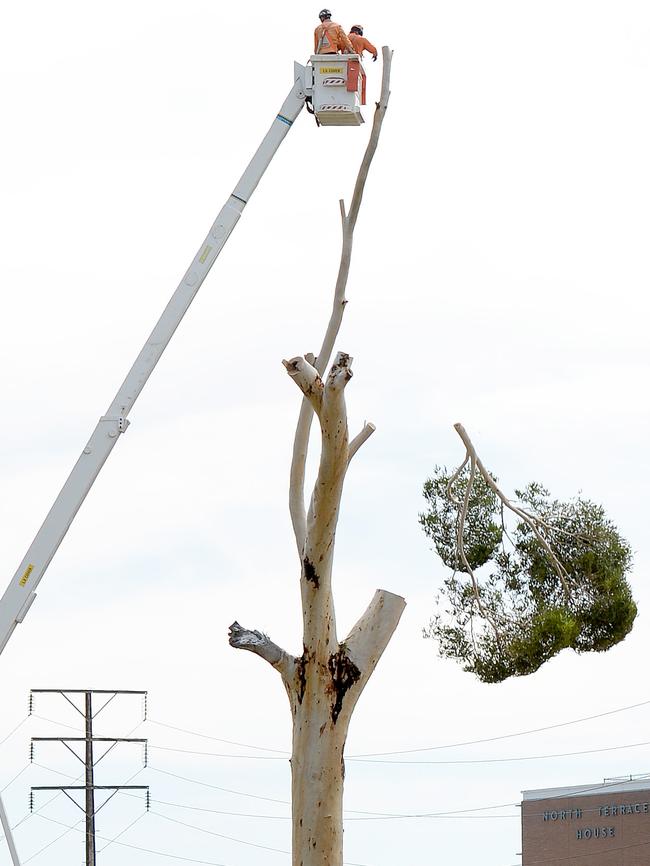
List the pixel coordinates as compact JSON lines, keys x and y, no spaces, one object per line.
{"x":338,"y":88}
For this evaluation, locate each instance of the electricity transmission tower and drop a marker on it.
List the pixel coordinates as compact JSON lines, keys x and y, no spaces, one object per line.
{"x":88,"y":760}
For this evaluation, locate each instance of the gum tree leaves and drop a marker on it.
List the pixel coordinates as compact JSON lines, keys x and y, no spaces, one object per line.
{"x":521,"y":612}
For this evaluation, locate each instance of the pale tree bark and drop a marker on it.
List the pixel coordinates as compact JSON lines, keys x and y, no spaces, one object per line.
{"x":324,"y":682}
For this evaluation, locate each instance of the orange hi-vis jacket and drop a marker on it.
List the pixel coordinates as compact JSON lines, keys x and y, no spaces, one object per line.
{"x":359,"y":43}
{"x":330,"y":38}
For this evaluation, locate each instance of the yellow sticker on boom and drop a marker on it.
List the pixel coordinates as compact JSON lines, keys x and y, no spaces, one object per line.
{"x":328,"y":70}
{"x":205,"y":254}
{"x":23,"y":580}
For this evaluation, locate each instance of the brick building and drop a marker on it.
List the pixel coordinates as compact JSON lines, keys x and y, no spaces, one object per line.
{"x":587,"y":825}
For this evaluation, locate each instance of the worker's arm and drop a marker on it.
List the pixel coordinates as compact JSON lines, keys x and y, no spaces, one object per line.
{"x":370,"y":47}
{"x":343,"y":39}
{"x":316,"y":40}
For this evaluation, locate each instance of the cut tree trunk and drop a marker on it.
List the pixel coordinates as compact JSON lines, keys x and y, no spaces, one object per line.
{"x":325,"y":682}
{"x":323,"y":691}
{"x":321,"y":718}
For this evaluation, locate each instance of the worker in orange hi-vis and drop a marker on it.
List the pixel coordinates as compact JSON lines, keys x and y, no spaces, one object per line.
{"x":329,"y":37}
{"x":360,"y":43}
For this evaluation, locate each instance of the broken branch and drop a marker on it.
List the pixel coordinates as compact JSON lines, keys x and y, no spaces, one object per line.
{"x":529,"y":519}
{"x":261,"y":644}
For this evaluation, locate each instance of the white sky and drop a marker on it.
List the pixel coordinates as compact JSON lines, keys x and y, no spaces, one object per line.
{"x":500,"y":278}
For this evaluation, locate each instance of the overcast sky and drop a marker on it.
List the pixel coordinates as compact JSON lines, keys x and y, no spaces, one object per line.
{"x":500,"y":278}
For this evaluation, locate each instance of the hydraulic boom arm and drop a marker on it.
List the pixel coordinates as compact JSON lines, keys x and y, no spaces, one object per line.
{"x":20,"y":594}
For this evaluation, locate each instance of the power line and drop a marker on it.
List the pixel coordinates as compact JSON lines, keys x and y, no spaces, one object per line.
{"x":377,"y":817}
{"x":507,"y":760}
{"x":425,"y":748}
{"x":350,"y":811}
{"x":445,"y":816}
{"x":364,"y":815}
{"x":164,"y":853}
{"x":54,"y":841}
{"x":55,"y":722}
{"x":437,"y":763}
{"x":57,"y":772}
{"x":221,"y":754}
{"x":2,"y":790}
{"x":11,"y":733}
{"x":366,"y":756}
{"x":30,"y":815}
{"x":507,"y":736}
{"x":122,"y":832}
{"x":138,"y":848}
{"x":371,"y":815}
{"x":221,"y":836}
{"x":218,"y":739}
{"x":77,"y":728}
{"x":217,"y":787}
{"x":219,"y":811}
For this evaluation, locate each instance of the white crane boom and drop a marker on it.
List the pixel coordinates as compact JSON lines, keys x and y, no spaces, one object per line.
{"x":336,"y":95}
{"x":4,"y":822}
{"x":20,"y":593}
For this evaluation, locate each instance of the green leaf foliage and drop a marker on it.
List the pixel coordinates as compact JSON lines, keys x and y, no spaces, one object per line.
{"x":524,"y":614}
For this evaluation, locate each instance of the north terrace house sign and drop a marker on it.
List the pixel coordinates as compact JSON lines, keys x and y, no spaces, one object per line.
{"x":604,"y":824}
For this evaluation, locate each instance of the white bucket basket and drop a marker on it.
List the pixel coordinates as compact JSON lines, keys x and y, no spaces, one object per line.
{"x":338,"y":89}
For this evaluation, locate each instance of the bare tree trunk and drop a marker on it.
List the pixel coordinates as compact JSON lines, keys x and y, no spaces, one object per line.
{"x":325,"y":682}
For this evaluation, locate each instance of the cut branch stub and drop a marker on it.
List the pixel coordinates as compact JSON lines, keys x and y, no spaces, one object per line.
{"x":356,"y":443}
{"x":307,"y":379}
{"x":261,"y":644}
{"x":243,"y":638}
{"x":340,"y":372}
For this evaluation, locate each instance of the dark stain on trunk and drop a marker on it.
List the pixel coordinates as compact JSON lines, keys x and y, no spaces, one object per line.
{"x":310,"y":572}
{"x":301,"y":676}
{"x":344,"y":674}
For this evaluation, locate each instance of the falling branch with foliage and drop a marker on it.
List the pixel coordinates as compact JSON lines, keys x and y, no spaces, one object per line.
{"x":555,"y":580}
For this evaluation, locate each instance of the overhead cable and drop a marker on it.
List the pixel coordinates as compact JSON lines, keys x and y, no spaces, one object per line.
{"x":374,"y":817}
{"x":12,"y":732}
{"x":280,"y":753}
{"x":220,"y":754}
{"x":507,"y":736}
{"x":508,"y":760}
{"x":254,"y":844}
{"x":426,"y":748}
{"x":386,"y":761}
{"x":347,"y":811}
{"x":26,"y":767}
{"x":218,"y":739}
{"x":216,"y":787}
{"x":122,"y":832}
{"x":221,"y":835}
{"x":364,"y":815}
{"x":137,"y":847}
{"x":54,"y":841}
